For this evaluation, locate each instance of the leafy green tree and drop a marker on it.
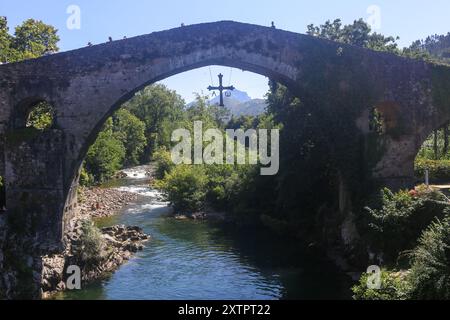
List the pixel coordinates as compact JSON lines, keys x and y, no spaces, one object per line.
{"x":186,"y":187}
{"x":106,"y":155}
{"x":415,"y":51}
{"x":243,"y":122}
{"x":160,"y":109}
{"x":128,"y":129}
{"x":5,"y":41}
{"x":357,"y":34}
{"x":210,"y":115}
{"x":434,"y":48}
{"x":34,"y":38}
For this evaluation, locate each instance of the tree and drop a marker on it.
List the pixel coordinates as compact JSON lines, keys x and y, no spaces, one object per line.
{"x":185,"y":187}
{"x":434,"y":48}
{"x":106,"y":155}
{"x":242,"y":122}
{"x":5,"y":41}
{"x":159,"y":108}
{"x":210,"y":115}
{"x":34,"y":38}
{"x":130,"y":131}
{"x":357,"y":34}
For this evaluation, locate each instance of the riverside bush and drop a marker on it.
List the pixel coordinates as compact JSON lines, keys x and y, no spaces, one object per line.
{"x":185,"y":187}
{"x":90,"y":251}
{"x":402,"y":217}
{"x":394,"y":286}
{"x":430,"y":272}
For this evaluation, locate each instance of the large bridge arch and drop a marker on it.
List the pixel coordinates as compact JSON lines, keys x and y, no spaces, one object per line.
{"x":87,"y":85}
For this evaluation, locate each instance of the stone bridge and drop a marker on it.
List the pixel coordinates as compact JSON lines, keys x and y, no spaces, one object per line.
{"x":87,"y":85}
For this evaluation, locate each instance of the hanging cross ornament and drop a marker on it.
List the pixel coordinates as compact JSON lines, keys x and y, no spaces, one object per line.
{"x":221,"y":88}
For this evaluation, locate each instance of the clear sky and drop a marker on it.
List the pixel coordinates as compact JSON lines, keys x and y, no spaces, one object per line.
{"x":408,"y":19}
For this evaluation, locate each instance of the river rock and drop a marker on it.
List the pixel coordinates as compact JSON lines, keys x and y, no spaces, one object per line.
{"x":52,"y":272}
{"x":100,"y":202}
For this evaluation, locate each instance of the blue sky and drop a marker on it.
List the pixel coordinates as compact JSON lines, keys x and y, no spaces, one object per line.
{"x":409,"y":19}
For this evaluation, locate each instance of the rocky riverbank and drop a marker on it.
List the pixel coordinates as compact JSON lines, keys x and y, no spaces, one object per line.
{"x":96,"y":252}
{"x":101,"y":202}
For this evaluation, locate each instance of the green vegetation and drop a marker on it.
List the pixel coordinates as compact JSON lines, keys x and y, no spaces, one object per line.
{"x":434,"y":156}
{"x":435,"y":48}
{"x":430,"y":271}
{"x":429,"y":274}
{"x":41,"y":116}
{"x":130,"y":131}
{"x":185,"y":186}
{"x":192,"y":188}
{"x":393,"y":287}
{"x":90,"y":251}
{"x":106,"y":156}
{"x":358,"y":34}
{"x":31,"y":39}
{"x":160,"y":109}
{"x":164,"y":162}
{"x":438,"y":170}
{"x":410,"y":230}
{"x":131,"y":136}
{"x":397,"y":224}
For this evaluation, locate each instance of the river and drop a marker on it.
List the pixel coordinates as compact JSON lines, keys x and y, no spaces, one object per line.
{"x":198,"y":260}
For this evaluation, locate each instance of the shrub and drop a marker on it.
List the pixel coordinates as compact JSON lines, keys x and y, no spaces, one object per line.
{"x":439,"y":170}
{"x":86,"y":179}
{"x":394,"y":286}
{"x":185,"y":187}
{"x":90,"y":251}
{"x":403,"y":216}
{"x":164,"y":163}
{"x":430,"y":272}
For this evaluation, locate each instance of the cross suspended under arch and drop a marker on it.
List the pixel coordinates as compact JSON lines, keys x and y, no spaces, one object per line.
{"x":221,"y":88}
